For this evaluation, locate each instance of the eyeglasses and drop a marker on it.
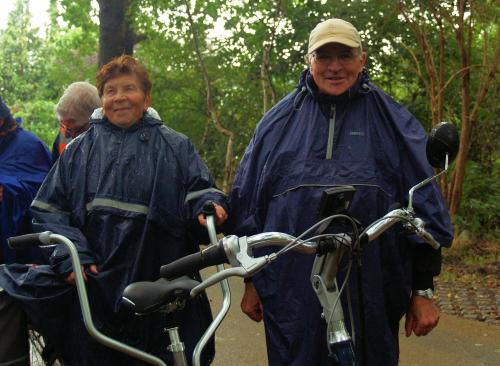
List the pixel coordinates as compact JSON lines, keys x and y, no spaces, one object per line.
{"x":72,"y":132}
{"x":343,"y":58}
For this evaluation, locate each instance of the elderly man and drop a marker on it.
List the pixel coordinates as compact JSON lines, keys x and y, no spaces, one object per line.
{"x":128,"y":193}
{"x":337,"y":128}
{"x":73,"y":111}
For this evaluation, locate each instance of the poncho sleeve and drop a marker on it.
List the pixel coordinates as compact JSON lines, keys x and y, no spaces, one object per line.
{"x":428,"y":203}
{"x":249,"y":198}
{"x":53,"y":211}
{"x":200,"y":186}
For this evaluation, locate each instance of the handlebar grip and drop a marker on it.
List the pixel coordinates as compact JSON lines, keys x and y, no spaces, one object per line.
{"x":29,"y":240}
{"x":208,"y":209}
{"x":210,"y":256}
{"x":429,"y":239}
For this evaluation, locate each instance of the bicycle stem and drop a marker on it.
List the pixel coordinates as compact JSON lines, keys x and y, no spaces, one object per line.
{"x":423,"y":183}
{"x":226,"y":299}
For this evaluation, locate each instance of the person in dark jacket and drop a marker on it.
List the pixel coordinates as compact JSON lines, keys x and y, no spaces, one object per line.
{"x":128,"y":193}
{"x":73,"y":111}
{"x":337,"y":128}
{"x":24,"y":163}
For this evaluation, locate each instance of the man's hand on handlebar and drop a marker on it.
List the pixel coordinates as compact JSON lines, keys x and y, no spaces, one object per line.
{"x":251,"y":304}
{"x":70,"y":279}
{"x":422,"y":316}
{"x":220,"y":216}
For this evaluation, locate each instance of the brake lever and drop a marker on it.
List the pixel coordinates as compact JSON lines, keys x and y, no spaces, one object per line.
{"x":243,"y":266}
{"x":424,"y":234}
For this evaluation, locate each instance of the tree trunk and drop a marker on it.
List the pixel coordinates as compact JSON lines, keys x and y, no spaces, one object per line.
{"x":265,"y":74}
{"x":211,"y":106}
{"x":263,"y":78}
{"x":116,"y":36}
{"x":457,"y":183}
{"x":467,"y":122}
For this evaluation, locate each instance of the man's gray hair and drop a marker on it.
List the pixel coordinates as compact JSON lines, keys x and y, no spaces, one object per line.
{"x":78,"y":102}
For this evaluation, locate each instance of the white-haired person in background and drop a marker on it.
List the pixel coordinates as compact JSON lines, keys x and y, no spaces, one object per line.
{"x":73,"y":111}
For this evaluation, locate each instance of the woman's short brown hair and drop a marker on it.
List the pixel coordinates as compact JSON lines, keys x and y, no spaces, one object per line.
{"x":123,"y":65}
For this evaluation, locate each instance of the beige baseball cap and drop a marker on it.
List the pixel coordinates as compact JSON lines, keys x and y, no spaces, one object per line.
{"x":333,"y":31}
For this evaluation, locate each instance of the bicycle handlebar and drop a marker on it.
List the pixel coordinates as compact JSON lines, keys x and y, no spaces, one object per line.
{"x":428,"y":238}
{"x":48,"y":238}
{"x":406,"y":216}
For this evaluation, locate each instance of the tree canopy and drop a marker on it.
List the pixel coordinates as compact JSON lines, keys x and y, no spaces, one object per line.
{"x":217,"y":66}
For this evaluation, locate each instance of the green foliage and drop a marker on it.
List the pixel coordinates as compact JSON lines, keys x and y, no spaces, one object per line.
{"x":232,"y":36}
{"x":36,"y":70}
{"x":38,"y":117}
{"x":479,"y":209}
{"x":21,"y":64}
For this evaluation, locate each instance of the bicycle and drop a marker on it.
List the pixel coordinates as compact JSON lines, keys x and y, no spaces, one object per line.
{"x":161,"y":295}
{"x":168,"y":295}
{"x":41,"y":352}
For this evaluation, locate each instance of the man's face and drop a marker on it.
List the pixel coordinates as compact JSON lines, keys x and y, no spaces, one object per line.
{"x":71,"y":127}
{"x":335,"y":67}
{"x":124,"y":101}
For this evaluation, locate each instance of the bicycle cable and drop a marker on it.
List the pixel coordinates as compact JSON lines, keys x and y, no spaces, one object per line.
{"x":294,"y":243}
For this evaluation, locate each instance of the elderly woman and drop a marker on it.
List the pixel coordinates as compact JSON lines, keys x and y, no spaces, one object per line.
{"x":128,"y":193}
{"x":73,"y":111}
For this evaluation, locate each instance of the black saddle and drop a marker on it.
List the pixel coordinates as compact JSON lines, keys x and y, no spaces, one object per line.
{"x":147,"y":297}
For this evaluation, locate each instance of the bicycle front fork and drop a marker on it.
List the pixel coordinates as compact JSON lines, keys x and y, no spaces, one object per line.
{"x":342,"y":354}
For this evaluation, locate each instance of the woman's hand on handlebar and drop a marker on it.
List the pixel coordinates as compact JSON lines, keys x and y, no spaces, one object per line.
{"x":220,"y":216}
{"x":251,"y":304}
{"x":70,"y":279}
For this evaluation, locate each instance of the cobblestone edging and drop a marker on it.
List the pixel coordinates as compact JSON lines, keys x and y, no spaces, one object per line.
{"x":470,"y":301}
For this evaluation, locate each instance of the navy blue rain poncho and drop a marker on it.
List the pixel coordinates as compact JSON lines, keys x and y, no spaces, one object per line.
{"x":128,"y":199}
{"x":24,"y":163}
{"x":378,"y":147}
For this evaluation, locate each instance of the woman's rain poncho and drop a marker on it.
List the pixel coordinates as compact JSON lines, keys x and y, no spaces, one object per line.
{"x":128,"y":199}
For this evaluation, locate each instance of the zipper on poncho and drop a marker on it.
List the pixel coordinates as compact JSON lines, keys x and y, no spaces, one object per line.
{"x":331,"y":132}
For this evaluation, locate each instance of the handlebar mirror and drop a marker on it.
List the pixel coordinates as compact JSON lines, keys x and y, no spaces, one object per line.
{"x":443,"y":140}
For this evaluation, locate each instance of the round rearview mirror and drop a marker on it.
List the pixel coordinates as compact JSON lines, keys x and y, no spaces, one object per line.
{"x":442,"y":140}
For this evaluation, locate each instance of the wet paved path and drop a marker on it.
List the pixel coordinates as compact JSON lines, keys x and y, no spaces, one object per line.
{"x":457,"y":341}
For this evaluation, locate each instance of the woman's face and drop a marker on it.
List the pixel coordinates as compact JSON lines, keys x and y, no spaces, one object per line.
{"x":123,"y":100}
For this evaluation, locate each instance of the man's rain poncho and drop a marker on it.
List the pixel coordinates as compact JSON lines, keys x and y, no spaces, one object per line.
{"x":24,"y":163}
{"x":305,"y":144}
{"x":128,"y":199}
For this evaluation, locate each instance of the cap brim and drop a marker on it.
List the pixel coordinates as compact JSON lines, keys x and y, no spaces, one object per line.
{"x":334,"y":39}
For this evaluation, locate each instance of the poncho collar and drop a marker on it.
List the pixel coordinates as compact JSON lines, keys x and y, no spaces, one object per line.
{"x":146,"y":120}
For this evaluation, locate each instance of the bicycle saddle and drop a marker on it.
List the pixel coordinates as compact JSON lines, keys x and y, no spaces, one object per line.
{"x":147,"y":297}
